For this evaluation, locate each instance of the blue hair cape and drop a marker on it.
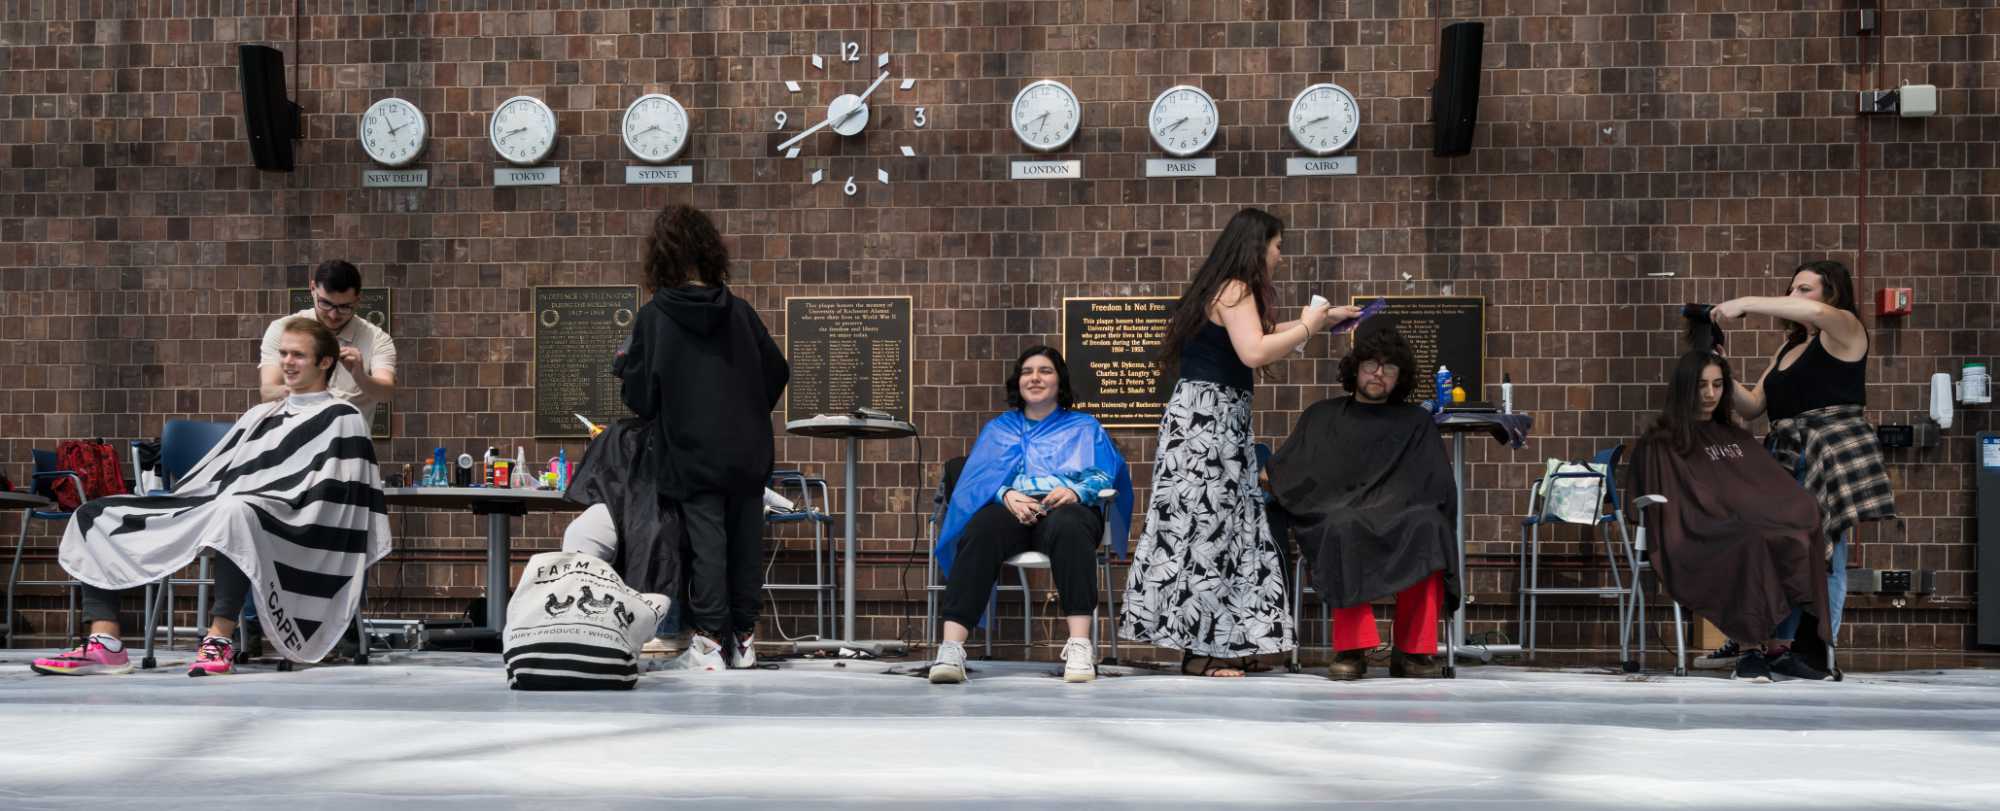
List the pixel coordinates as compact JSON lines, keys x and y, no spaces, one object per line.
{"x":1064,"y":444}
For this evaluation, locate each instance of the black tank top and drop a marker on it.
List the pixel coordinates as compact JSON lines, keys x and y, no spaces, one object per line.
{"x":1209,"y":356}
{"x":1816,"y":380}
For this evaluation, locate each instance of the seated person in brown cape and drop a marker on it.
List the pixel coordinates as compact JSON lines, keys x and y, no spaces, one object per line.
{"x":1365,"y":480}
{"x":1736,"y":540}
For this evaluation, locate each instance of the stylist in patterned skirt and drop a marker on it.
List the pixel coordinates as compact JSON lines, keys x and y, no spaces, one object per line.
{"x":1206,"y":577}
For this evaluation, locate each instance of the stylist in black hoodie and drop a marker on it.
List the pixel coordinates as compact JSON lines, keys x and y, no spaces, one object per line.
{"x":702,"y":367}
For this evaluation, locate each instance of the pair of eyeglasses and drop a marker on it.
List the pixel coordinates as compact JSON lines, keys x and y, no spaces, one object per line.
{"x":1383,"y":369}
{"x":332,"y":307}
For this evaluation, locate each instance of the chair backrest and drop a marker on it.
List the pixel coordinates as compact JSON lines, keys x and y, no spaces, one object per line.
{"x":45,"y":461}
{"x":1609,"y":459}
{"x":941,"y":500}
{"x":185,"y":442}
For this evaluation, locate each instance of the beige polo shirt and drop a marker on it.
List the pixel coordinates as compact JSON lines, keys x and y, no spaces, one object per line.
{"x":378,"y":353}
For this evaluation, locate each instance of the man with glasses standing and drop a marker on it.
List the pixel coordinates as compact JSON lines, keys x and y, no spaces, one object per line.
{"x":1367,"y":485}
{"x":366,"y":372}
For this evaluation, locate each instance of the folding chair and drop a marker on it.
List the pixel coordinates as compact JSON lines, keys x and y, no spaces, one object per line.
{"x":1634,"y":619}
{"x":41,"y":482}
{"x":1531,"y":589}
{"x":1022,"y":563}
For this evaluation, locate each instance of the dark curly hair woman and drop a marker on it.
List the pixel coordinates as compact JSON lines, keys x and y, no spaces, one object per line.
{"x":702,"y":367}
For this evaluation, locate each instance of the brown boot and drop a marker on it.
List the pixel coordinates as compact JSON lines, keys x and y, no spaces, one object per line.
{"x":1348,"y":665}
{"x":1414,"y":666}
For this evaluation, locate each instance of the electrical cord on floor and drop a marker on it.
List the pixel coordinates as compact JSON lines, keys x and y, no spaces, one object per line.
{"x":903,"y":574}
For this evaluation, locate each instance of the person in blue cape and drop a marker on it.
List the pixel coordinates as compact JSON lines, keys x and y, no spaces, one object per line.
{"x":1035,"y":481}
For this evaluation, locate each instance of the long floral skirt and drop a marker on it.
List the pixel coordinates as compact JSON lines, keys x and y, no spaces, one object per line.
{"x":1206,"y":577}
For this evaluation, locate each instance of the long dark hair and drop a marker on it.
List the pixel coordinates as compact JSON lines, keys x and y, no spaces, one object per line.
{"x":1682,"y":411}
{"x":1238,"y":255}
{"x":1065,"y":397}
{"x":1384,"y":345}
{"x":684,"y":246}
{"x":1834,"y":278}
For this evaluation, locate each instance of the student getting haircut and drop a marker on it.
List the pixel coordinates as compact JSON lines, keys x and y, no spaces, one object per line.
{"x":325,"y":345}
{"x":1064,"y":396}
{"x":1382,"y":346}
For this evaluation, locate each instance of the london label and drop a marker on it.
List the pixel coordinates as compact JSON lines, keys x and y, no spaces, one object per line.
{"x":659,"y":174}
{"x":1047,"y":170}
{"x":1180,"y":167}
{"x":527,"y":176}
{"x":395,"y":178}
{"x":1320,"y":166}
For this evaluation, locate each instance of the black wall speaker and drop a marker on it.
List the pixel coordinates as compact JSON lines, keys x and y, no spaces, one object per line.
{"x":1455,"y":95}
{"x":270,"y":119}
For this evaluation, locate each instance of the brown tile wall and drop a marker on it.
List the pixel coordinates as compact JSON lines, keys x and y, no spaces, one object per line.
{"x":141,"y":255}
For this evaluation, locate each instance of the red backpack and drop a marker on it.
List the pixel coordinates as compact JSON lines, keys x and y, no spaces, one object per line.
{"x":96,"y":462}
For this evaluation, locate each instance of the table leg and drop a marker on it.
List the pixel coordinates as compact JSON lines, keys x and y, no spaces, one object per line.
{"x":847,"y":553}
{"x":497,"y":569}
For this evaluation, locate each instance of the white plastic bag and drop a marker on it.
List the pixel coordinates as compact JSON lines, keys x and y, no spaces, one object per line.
{"x":574,"y":625}
{"x":1574,"y":500}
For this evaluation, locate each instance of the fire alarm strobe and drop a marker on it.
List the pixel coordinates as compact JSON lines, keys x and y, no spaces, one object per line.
{"x":1894,"y":301}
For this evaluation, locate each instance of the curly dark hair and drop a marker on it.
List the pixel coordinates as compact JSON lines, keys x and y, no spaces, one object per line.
{"x":1384,"y":345}
{"x":1065,"y":396}
{"x":684,"y":247}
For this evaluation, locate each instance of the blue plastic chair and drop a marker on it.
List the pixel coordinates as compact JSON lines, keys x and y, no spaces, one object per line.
{"x":1530,"y":588}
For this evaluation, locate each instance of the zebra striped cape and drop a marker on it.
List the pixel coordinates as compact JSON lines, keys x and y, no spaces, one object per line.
{"x":291,"y":494}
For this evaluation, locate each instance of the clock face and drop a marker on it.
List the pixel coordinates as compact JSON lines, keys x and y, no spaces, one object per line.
{"x":523,"y":130}
{"x":392,"y":132}
{"x":1324,"y":118}
{"x":1184,"y":120}
{"x":655,"y":128}
{"x":1046,"y":115}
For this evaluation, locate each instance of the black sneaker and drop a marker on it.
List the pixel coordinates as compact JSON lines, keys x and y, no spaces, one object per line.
{"x":1753,"y":668}
{"x":1721,"y":658}
{"x":1791,"y":666}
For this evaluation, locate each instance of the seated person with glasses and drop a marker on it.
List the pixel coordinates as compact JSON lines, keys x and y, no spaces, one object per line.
{"x":365,"y":373}
{"x":1367,"y":486}
{"x":1030,"y":484}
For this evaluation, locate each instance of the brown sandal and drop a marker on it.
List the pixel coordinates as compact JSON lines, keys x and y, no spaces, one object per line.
{"x":1210,"y":666}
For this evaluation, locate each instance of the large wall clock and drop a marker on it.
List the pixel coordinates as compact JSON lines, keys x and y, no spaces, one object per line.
{"x":847,"y":115}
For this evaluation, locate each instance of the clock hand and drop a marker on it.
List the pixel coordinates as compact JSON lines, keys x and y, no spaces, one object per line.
{"x":513,"y":132}
{"x":802,"y":136}
{"x":1319,"y":119}
{"x":1175,"y":125}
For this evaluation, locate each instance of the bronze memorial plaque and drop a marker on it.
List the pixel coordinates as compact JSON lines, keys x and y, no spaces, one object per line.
{"x":1112,"y":346}
{"x":848,"y":353}
{"x":374,"y":306}
{"x":1442,"y":330}
{"x":577,"y":330}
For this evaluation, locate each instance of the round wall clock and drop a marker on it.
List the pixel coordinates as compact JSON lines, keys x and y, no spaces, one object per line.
{"x":1324,"y":118}
{"x":848,"y":114}
{"x":1046,"y":115}
{"x":1184,"y":120}
{"x":523,"y":130}
{"x":392,"y":132}
{"x":655,"y":128}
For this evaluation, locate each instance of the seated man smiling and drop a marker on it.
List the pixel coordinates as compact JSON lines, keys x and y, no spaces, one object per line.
{"x":291,"y":501}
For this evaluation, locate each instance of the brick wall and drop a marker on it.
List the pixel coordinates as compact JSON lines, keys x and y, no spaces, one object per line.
{"x":1629,"y":156}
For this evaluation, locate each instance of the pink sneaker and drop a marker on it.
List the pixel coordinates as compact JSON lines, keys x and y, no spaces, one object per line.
{"x":217,"y":657}
{"x":90,"y":659}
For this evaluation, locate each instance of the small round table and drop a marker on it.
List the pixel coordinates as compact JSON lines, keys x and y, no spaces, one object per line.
{"x":853,"y":429}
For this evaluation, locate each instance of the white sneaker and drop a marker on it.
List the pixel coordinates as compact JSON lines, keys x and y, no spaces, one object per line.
{"x":661,"y":647}
{"x":1079,"y":660}
{"x":950,"y":665}
{"x":746,"y":654}
{"x":702,"y":654}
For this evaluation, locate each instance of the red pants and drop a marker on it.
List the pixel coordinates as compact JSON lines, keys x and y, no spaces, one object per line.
{"x":1416,"y":623}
